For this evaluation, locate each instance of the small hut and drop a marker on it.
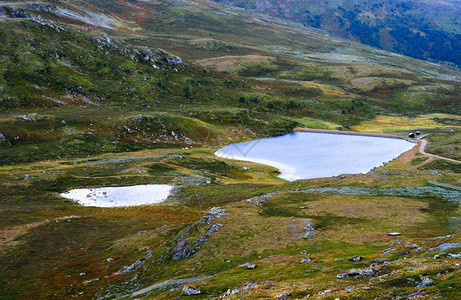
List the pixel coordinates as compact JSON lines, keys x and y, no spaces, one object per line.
{"x":418,"y":132}
{"x":411,"y":135}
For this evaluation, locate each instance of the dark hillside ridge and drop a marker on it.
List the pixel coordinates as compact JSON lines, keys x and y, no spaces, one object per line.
{"x":422,"y":29}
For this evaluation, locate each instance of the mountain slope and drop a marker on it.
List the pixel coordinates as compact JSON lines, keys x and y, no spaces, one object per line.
{"x":420,"y":29}
{"x":120,"y":93}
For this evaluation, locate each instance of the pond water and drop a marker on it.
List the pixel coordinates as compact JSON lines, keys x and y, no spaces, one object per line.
{"x":120,"y":196}
{"x":307,"y":155}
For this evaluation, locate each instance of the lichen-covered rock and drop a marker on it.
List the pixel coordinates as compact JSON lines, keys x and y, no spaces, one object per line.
{"x":248,"y":266}
{"x":356,"y":258}
{"x":190,"y":291}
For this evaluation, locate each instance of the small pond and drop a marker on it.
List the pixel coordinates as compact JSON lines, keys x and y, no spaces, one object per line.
{"x":120,"y":196}
{"x":307,"y":155}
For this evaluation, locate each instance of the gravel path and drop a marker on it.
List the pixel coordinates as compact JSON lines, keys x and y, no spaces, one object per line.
{"x":423,"y":146}
{"x":167,"y":283}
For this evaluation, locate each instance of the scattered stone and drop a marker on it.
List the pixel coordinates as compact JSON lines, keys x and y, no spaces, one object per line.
{"x":353,"y":272}
{"x":452,"y":255}
{"x":213,"y":228}
{"x":426,"y":282}
{"x":305,"y":260}
{"x":190,"y":291}
{"x":356,"y":258}
{"x":369,"y":271}
{"x":254,"y":202}
{"x":381,"y":260}
{"x":385,"y":251}
{"x":248,"y":266}
{"x":230,"y":292}
{"x":324,"y":292}
{"x":181,"y":251}
{"x":394,"y":234}
{"x":218,"y":212}
{"x":308,"y":235}
{"x":448,"y":246}
{"x":303,"y":252}
{"x":134,"y":265}
{"x":309,"y":227}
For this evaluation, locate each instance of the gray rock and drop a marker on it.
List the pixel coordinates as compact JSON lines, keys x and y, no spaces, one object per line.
{"x":354,"y":272}
{"x":181,"y":251}
{"x":308,"y":235}
{"x":248,"y":266}
{"x":381,"y":260}
{"x":309,"y":227}
{"x":213,"y":228}
{"x":305,"y":260}
{"x":426,"y":282}
{"x":254,"y":202}
{"x":218,"y":212}
{"x":448,"y":246}
{"x":369,"y":271}
{"x":356,"y":258}
{"x":452,"y":255}
{"x":230,"y":292}
{"x":190,"y":291}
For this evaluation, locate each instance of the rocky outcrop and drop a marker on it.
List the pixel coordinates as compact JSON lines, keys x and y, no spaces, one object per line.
{"x":189,"y":241}
{"x":368,"y":271}
{"x":190,"y":291}
{"x":248,"y":266}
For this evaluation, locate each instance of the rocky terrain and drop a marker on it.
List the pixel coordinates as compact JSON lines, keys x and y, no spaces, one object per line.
{"x":119,"y":93}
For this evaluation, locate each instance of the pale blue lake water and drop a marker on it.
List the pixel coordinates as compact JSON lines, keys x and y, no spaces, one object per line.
{"x":307,"y":155}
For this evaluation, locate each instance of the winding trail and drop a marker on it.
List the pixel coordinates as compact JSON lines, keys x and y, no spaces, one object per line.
{"x":422,"y":146}
{"x":167,"y":283}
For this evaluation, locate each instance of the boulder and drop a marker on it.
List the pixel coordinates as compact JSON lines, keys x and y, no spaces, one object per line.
{"x":369,"y":271}
{"x":190,"y":291}
{"x":308,"y":235}
{"x":248,"y":266}
{"x":394,"y":234}
{"x":356,"y":258}
{"x":426,"y":282}
{"x":309,"y":227}
{"x":305,"y":260}
{"x":452,"y":255}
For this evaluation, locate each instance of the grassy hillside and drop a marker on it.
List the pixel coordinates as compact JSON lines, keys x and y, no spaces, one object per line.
{"x":117,"y":93}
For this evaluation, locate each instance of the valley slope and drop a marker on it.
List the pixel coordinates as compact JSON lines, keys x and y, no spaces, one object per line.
{"x":115,"y":93}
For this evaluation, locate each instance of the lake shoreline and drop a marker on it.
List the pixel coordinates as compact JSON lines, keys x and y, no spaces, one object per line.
{"x":372,"y":134}
{"x":309,"y":154}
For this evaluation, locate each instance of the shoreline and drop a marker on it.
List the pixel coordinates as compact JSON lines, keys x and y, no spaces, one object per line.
{"x":374,"y":134}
